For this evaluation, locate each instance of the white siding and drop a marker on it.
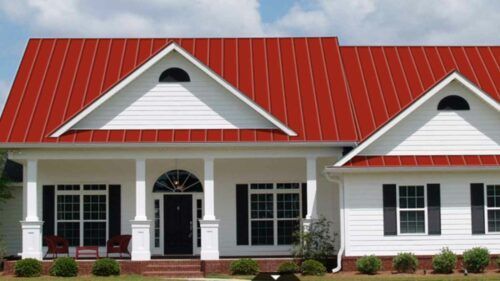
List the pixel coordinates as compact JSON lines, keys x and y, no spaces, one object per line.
{"x":227,"y":174}
{"x":200,"y":104}
{"x":429,"y":131}
{"x":364,"y":211}
{"x":11,"y":214}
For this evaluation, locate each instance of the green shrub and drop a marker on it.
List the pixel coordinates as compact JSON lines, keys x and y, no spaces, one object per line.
{"x":405,"y":263}
{"x":476,"y":259}
{"x":313,"y":267}
{"x":317,"y":243}
{"x":368,"y":264}
{"x":444,"y":262}
{"x":106,"y":267}
{"x":64,"y":267}
{"x":288,"y":267}
{"x":28,"y":268}
{"x":244,"y":267}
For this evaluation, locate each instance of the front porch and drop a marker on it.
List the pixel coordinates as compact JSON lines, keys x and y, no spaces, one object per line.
{"x":244,"y":205}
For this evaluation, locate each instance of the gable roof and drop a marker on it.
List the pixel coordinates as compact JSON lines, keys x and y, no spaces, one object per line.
{"x":454,"y":76}
{"x":171,"y":47}
{"x":324,"y":92}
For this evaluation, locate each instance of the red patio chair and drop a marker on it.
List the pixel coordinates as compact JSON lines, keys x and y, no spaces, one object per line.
{"x":118,"y":245}
{"x":56,"y":245}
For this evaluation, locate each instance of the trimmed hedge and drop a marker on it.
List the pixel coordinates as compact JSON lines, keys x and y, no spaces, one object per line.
{"x":444,"y":262}
{"x":64,"y":267}
{"x":369,"y":264}
{"x":476,"y":259}
{"x":288,"y":267}
{"x":405,"y":263}
{"x":28,"y":268}
{"x":313,"y":267}
{"x":106,"y":267}
{"x":244,"y":267}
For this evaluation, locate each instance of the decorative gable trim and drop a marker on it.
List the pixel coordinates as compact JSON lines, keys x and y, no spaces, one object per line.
{"x":415,"y":105}
{"x":169,"y":48}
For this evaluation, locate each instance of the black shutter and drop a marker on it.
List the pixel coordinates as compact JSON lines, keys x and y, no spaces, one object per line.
{"x":434,"y":208}
{"x":114,"y":210}
{"x":48,"y":209}
{"x":390,"y":218}
{"x":304,"y":200}
{"x":242,"y":214}
{"x":477,"y":207}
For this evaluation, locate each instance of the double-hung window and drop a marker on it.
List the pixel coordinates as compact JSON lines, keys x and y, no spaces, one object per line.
{"x":275,"y":212}
{"x":493,"y":207}
{"x":82,"y":214}
{"x":411,"y":209}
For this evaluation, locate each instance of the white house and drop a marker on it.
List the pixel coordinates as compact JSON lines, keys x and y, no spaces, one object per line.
{"x":222,"y":147}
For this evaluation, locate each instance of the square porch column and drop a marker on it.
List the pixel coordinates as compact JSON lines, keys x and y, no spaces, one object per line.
{"x":31,"y":225}
{"x":140,"y":224}
{"x":312,"y":187}
{"x":209,"y":225}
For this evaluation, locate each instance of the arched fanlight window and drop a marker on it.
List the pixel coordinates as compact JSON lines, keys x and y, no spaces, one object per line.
{"x":174,"y":74}
{"x":453,"y":103}
{"x":177,"y":181}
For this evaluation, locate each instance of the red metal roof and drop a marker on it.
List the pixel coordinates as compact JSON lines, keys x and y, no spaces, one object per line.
{"x":322,"y":91}
{"x":423,"y":161}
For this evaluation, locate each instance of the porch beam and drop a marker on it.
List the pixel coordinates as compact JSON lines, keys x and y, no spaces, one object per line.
{"x":31,"y":225}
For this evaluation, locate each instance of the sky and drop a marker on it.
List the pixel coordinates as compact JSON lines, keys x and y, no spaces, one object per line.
{"x":355,"y":22}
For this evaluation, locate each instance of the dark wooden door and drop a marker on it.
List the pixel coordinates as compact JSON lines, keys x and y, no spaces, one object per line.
{"x":178,"y":214}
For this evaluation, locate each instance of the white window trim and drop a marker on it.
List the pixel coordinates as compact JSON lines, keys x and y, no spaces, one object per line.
{"x":274,"y":191}
{"x":486,"y":209}
{"x":399,"y":209}
{"x":81,"y":220}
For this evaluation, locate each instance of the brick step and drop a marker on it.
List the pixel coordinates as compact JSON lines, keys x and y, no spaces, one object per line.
{"x":173,"y":267}
{"x":175,"y":262}
{"x":174,"y":274}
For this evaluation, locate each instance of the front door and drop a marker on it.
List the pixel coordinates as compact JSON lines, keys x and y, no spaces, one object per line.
{"x":178,"y":214}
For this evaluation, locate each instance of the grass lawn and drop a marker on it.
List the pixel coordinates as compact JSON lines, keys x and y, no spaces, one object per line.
{"x":84,"y":278}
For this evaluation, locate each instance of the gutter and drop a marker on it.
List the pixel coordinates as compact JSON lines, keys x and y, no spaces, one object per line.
{"x":342,"y":219}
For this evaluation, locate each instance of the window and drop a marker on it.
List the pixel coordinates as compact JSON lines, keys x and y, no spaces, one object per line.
{"x":82,"y":214}
{"x":174,"y":74}
{"x":157,"y":223}
{"x":453,"y":103}
{"x":275,"y":213}
{"x":177,"y":181}
{"x":411,"y":205}
{"x":199,"y":216}
{"x":493,"y":207}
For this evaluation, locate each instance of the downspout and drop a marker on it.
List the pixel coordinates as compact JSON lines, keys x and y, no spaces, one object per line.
{"x":340,"y":253}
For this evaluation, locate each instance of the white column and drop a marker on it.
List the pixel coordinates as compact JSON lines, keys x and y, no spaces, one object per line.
{"x":312,"y":188}
{"x":209,"y":225}
{"x":140,"y":225}
{"x":31,"y":225}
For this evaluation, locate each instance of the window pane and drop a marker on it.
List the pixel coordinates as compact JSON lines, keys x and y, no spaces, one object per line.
{"x":94,"y":207}
{"x":69,"y":231}
{"x":261,"y":186}
{"x":199,"y":217}
{"x":68,"y":207}
{"x":262,"y":233}
{"x":286,"y":229}
{"x":94,"y":233}
{"x":412,"y":221}
{"x":261,"y":206}
{"x":287,"y":185}
{"x":288,"y":205}
{"x":411,"y":197}
{"x":157,"y":223}
{"x":94,"y":187}
{"x":493,"y":194}
{"x":493,"y":220}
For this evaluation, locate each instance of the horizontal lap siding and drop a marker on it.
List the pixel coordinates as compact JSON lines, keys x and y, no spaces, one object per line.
{"x":443,"y":132}
{"x":11,"y":213}
{"x":199,"y":104}
{"x":364,"y":211}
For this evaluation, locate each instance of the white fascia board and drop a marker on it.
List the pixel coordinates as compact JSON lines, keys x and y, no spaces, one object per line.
{"x":419,"y":102}
{"x":172,"y":47}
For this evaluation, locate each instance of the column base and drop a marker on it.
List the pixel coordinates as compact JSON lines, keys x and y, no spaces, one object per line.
{"x":32,"y":239}
{"x":209,"y":239}
{"x":306,"y":224}
{"x":140,"y":240}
